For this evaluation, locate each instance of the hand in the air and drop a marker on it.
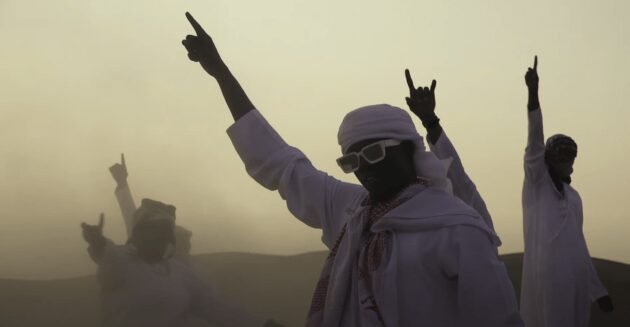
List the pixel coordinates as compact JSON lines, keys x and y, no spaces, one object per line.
{"x":531,"y":77}
{"x":421,"y":101}
{"x":93,"y":234}
{"x":605,"y":304}
{"x":201,"y":49}
{"x":119,"y":171}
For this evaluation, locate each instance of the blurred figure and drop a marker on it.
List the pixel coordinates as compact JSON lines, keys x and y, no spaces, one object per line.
{"x":421,"y":102}
{"x":142,"y":286}
{"x":403,"y":250}
{"x":128,"y":208}
{"x":559,"y":280}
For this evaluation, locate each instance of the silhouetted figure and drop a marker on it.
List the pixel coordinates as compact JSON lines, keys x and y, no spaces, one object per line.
{"x":403,"y":250}
{"x":421,"y":102}
{"x":142,"y":286}
{"x":559,"y":280}
{"x":128,"y":208}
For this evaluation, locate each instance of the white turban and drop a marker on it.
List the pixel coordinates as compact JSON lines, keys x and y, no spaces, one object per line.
{"x":151,"y":211}
{"x":383,"y":121}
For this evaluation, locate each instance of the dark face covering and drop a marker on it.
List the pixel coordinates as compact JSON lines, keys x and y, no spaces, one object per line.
{"x":153,"y":239}
{"x":386,"y":178}
{"x":560,"y":154}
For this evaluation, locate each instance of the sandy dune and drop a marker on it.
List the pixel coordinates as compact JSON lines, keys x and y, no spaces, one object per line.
{"x":275,"y":286}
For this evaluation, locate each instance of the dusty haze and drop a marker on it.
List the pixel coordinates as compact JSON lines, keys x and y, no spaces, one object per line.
{"x":83,"y":81}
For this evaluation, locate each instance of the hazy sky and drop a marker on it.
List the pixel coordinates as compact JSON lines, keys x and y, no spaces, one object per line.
{"x":83,"y":81}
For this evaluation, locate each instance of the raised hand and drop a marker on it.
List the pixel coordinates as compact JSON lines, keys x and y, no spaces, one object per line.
{"x":119,"y":171}
{"x":531,"y":77}
{"x":421,"y":101}
{"x":93,"y":234}
{"x":201,"y":49}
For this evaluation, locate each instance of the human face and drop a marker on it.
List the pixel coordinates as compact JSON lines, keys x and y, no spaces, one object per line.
{"x":152,"y":239}
{"x":386,"y":177}
{"x":561,"y":167}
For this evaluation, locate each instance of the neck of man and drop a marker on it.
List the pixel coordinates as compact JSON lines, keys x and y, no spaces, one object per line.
{"x":559,"y":181}
{"x":376,"y":198}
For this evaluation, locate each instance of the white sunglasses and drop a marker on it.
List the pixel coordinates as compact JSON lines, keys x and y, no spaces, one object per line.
{"x":372,"y":153}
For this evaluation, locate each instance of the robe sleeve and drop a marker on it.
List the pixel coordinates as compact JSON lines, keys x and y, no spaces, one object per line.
{"x":127,"y":206}
{"x":312,"y":196}
{"x":535,"y":166}
{"x":463,"y":186}
{"x":485,"y":293}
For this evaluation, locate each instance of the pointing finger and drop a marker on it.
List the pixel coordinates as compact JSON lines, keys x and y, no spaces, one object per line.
{"x":198,"y":29}
{"x":433,"y":83}
{"x":101,"y":221}
{"x":535,"y":62}
{"x":122,"y":160}
{"x":409,"y":81}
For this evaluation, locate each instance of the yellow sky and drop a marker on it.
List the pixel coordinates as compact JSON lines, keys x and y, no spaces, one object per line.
{"x":83,"y":81}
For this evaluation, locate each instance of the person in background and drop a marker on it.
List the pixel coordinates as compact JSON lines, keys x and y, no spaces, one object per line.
{"x":128,"y":207}
{"x":559,"y":281}
{"x":142,"y":286}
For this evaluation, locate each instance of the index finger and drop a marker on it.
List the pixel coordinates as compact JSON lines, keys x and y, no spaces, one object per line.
{"x":198,"y":29}
{"x":535,"y":62}
{"x":122,"y":159}
{"x":409,"y":81}
{"x":433,"y":83}
{"x":101,"y":221}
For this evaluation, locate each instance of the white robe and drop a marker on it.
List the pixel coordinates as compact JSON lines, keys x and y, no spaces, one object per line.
{"x":166,"y":294}
{"x":559,"y":280}
{"x":127,"y":206}
{"x":463,"y":186}
{"x":441,"y":267}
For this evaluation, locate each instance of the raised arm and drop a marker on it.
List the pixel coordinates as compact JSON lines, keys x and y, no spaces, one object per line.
{"x":314,"y":197}
{"x":201,"y":49}
{"x":421,"y":102}
{"x":535,"y":152}
{"x":123,"y":192}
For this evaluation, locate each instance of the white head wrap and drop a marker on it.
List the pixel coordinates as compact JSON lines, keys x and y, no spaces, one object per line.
{"x":387,"y":122}
{"x":153,"y":211}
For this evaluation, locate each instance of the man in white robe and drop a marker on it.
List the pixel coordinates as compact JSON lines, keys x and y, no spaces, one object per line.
{"x":142,"y":287}
{"x":421,"y":102}
{"x":559,"y":281}
{"x":403,"y":251}
{"x":128,"y":208}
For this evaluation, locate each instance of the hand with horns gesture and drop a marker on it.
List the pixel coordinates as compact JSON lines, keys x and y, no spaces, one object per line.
{"x":93,"y":234}
{"x":421,"y":101}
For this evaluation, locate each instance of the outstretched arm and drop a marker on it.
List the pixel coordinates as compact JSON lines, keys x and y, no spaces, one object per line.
{"x":312,"y":196}
{"x":201,"y":49}
{"x":535,"y":151}
{"x":123,"y":192}
{"x":421,"y":102}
